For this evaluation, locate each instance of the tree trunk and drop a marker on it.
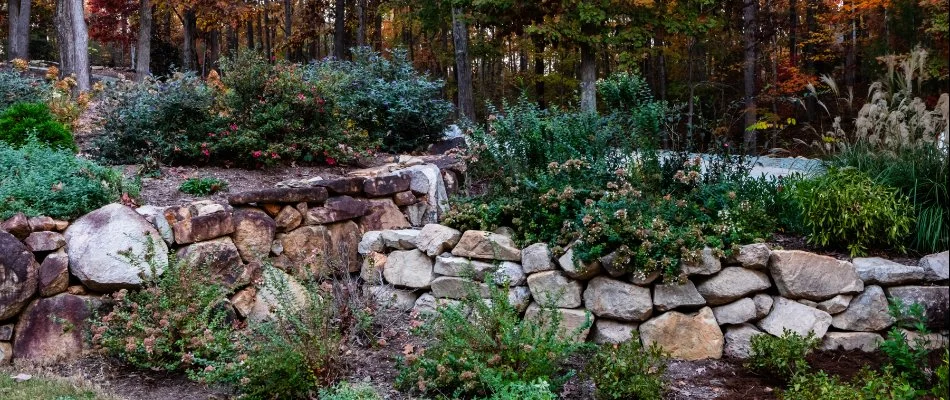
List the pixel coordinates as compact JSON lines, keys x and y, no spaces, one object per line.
{"x":18,"y":17}
{"x":144,"y":46}
{"x":539,"y":72}
{"x":214,"y":50}
{"x":268,"y":45}
{"x":748,"y":29}
{"x":339,"y":30}
{"x":463,"y":67}
{"x":588,"y":78}
{"x":378,"y":31}
{"x":793,"y":32}
{"x":73,"y":41}
{"x":232,"y":35}
{"x":288,"y":27}
{"x":189,"y":27}
{"x":361,"y":23}
{"x":250,"y":33}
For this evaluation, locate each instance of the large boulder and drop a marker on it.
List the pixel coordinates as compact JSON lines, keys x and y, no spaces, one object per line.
{"x":100,"y":243}
{"x":391,"y":298}
{"x":866,"y":313}
{"x":936,"y":266}
{"x":614,"y":332}
{"x":796,"y":317}
{"x":488,"y":246}
{"x":54,"y":274}
{"x":253,"y":233}
{"x":731,"y":284}
{"x":669,"y":296}
{"x":803,"y":275}
{"x":427,"y":179}
{"x":308,"y":247}
{"x":45,"y":241}
{"x":574,"y":323}
{"x":610,"y":298}
{"x":383,"y":214}
{"x":738,"y":340}
{"x":18,"y":275}
{"x":450,"y":287}
{"x":508,"y":273}
{"x":203,"y":227}
{"x":435,"y":239}
{"x":553,"y":289}
{"x":685,"y":336}
{"x":934,"y":300}
{"x":876,"y":270}
{"x":51,"y":329}
{"x":280,"y":293}
{"x":220,"y":258}
{"x":578,"y":269}
{"x":536,"y":258}
{"x":17,"y":225}
{"x":462,"y":267}
{"x":409,"y":268}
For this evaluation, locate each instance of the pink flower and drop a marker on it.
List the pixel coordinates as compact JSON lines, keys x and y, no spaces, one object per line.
{"x":233,"y":126}
{"x":301,"y":97}
{"x":274,"y":155}
{"x":256,"y":153}
{"x":206,"y":152}
{"x":330,"y":160}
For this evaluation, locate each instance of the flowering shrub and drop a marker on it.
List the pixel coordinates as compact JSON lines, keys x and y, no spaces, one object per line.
{"x":177,"y":321}
{"x":387,"y":98}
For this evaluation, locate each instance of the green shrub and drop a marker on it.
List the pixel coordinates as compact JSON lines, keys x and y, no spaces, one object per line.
{"x":846,"y":208}
{"x":349,"y":391}
{"x":16,"y":87}
{"x":941,"y":389}
{"x":178,"y":320}
{"x":37,"y":180}
{"x":781,"y":357}
{"x":169,"y":120}
{"x":202,"y":186}
{"x":478,"y":348}
{"x":908,"y":359}
{"x":921,"y":174}
{"x":628,"y":371}
{"x":539,"y":389}
{"x":21,"y":120}
{"x":866,"y":385}
{"x":385,"y":97}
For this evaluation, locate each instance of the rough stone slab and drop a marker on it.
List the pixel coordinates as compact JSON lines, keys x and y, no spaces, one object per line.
{"x":803,"y":275}
{"x":42,"y":223}
{"x":614,"y":332}
{"x":731,"y":284}
{"x":796,"y":317}
{"x":851,"y":341}
{"x":669,"y":296}
{"x":641,"y":278}
{"x":405,"y":199}
{"x":253,"y":233}
{"x":385,"y":185}
{"x":461,"y":267}
{"x":336,"y":209}
{"x":18,"y":275}
{"x":280,"y":195}
{"x":54,"y":274}
{"x":738,"y":340}
{"x":450,"y":287}
{"x":934,"y":300}
{"x":435,"y":239}
{"x":17,"y":225}
{"x":536,"y":258}
{"x":754,"y":256}
{"x":867,"y":312}
{"x":508,"y":273}
{"x":685,"y":336}
{"x":288,"y":219}
{"x":348,"y":186}
{"x":371,"y":272}
{"x":763,"y":305}
{"x":383,"y":214}
{"x":876,"y":270}
{"x":575,"y":323}
{"x":307,"y":247}
{"x":392,"y":298}
{"x":410,"y":268}
{"x":936,"y":266}
{"x":708,"y":264}
{"x":45,"y":241}
{"x":553,"y":289}
{"x":610,"y":298}
{"x":220,"y":257}
{"x":51,"y":329}
{"x":400,"y":239}
{"x":204,"y":227}
{"x":578,"y":269}
{"x":6,"y":332}
{"x":737,"y":312}
{"x":487,"y":245}
{"x":97,"y":241}
{"x":835,"y":304}
{"x":370,"y":242}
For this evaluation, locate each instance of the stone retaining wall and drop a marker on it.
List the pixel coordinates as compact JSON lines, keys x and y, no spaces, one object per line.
{"x":53,"y":273}
{"x":715,"y":312}
{"x":381,"y":225}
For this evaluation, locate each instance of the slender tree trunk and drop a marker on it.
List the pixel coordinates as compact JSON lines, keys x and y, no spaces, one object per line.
{"x":748,"y":79}
{"x":288,"y":27}
{"x":463,"y":68}
{"x":18,"y":17}
{"x":189,"y":31}
{"x":361,"y":23}
{"x":793,"y":32}
{"x":378,"y":32}
{"x":339,"y":30}
{"x":539,"y":72}
{"x":250,"y":33}
{"x":232,"y":34}
{"x":268,"y":45}
{"x":214,"y":49}
{"x":588,"y":78}
{"x":144,"y":46}
{"x":260,"y":45}
{"x":73,"y":41}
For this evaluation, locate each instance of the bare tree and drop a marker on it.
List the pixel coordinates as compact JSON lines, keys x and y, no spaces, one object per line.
{"x":18,"y":16}
{"x":748,"y":29}
{"x":73,"y":41}
{"x":144,"y":46}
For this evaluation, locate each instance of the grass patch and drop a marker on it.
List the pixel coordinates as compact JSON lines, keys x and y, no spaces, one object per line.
{"x":43,"y":388}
